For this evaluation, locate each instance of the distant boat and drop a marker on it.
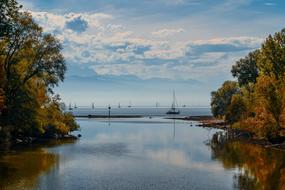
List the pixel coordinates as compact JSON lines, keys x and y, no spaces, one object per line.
{"x":75,"y":106}
{"x":93,"y":106}
{"x":69,"y":107}
{"x":130,"y":104}
{"x":119,"y":106}
{"x":173,"y":110}
{"x":157,"y":105}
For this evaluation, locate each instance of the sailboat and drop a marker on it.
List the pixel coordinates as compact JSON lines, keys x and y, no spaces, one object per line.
{"x":69,"y":107}
{"x":173,"y":109}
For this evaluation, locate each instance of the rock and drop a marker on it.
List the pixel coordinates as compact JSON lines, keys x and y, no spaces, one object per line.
{"x":277,"y":140}
{"x":79,"y":135}
{"x":30,"y":139}
{"x":19,"y":141}
{"x":55,"y":136}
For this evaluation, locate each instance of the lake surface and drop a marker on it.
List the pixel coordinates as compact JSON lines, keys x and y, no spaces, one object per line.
{"x":139,"y":111}
{"x":143,"y":153}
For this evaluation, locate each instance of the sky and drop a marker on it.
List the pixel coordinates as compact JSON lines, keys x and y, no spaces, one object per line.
{"x":139,"y":51}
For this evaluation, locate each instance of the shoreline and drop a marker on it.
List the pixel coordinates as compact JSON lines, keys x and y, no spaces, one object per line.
{"x":107,"y":116}
{"x":205,"y":121}
{"x":26,"y":141}
{"x":236,"y":134}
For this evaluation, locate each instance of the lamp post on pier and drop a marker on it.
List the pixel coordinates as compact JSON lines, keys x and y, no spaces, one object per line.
{"x":109,"y":109}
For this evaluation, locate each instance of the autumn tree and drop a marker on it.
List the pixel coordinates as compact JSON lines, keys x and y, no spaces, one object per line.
{"x":236,"y":109}
{"x":32,"y":64}
{"x":2,"y":97}
{"x":259,"y":107}
{"x":221,"y":98}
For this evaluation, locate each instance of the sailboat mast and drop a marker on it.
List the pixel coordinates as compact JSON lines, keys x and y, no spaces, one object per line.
{"x":173,"y":103}
{"x":173,"y":109}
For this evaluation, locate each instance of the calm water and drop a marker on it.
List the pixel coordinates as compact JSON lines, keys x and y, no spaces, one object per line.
{"x":141,"y":111}
{"x":143,"y":154}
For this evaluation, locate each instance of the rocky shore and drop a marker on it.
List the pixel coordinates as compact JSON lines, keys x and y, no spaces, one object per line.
{"x":208,"y":121}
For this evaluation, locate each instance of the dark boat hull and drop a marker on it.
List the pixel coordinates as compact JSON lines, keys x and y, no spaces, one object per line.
{"x":173,"y":112}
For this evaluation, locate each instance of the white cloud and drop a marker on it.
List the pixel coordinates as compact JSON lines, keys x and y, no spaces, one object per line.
{"x":269,"y":4}
{"x":239,"y":41}
{"x":233,"y":4}
{"x":167,"y":32}
{"x":140,"y":70}
{"x":52,"y":21}
{"x":180,"y":2}
{"x":110,"y":48}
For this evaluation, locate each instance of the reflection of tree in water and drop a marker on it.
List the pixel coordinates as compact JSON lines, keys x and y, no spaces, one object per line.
{"x":21,"y":169}
{"x":259,"y":168}
{"x":244,"y":180}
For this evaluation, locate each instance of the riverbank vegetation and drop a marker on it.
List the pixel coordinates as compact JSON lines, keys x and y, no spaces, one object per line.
{"x":31,"y":64}
{"x":256,"y":101}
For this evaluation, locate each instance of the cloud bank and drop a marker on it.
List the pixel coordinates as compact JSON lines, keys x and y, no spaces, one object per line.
{"x":96,"y":41}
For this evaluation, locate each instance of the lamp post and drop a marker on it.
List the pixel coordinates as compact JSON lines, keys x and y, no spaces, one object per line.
{"x":109,"y":108}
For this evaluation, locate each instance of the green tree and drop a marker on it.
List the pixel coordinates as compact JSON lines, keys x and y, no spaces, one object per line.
{"x":271,"y":60}
{"x":9,"y":10}
{"x":221,"y":98}
{"x":245,"y":70}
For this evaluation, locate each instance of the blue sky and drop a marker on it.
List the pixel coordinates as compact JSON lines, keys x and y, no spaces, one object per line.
{"x":139,"y":51}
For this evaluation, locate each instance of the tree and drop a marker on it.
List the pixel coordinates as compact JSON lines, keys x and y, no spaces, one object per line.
{"x":271,"y":60}
{"x":30,"y":57}
{"x":270,"y":94}
{"x":2,"y":97}
{"x":236,"y":109}
{"x":221,"y":98}
{"x":245,"y":70}
{"x":31,"y":64}
{"x":9,"y":9}
{"x":58,"y":123}
{"x":259,"y":104}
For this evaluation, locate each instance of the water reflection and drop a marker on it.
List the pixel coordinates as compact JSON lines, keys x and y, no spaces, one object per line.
{"x":258,"y":167}
{"x":143,"y":153}
{"x":20,"y":168}
{"x":174,"y":128}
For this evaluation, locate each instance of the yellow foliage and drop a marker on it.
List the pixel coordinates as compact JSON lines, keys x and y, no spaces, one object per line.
{"x":31,"y":64}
